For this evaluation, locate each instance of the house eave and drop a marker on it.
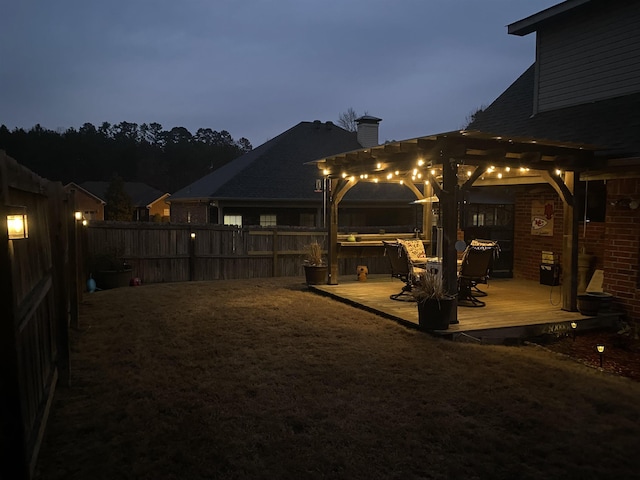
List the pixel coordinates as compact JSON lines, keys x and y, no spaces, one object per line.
{"x":531,"y":23}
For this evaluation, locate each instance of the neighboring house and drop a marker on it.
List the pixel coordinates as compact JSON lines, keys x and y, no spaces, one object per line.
{"x":271,"y":185}
{"x":91,"y":206}
{"x":148,"y":202}
{"x":584,"y":87}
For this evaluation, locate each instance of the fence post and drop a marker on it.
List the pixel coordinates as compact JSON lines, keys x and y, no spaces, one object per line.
{"x":73,"y":260}
{"x":192,"y":257}
{"x":276,"y":270}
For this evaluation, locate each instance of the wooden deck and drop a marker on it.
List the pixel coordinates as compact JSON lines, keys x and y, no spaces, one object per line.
{"x":515,"y":309}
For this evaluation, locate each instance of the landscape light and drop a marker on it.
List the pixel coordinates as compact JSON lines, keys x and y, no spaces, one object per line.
{"x":574,"y":327}
{"x":17,"y":225}
{"x":600,"y":349}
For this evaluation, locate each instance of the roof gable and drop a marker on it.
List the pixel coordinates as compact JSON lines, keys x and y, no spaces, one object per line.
{"x":141,"y":194}
{"x":613,"y":124}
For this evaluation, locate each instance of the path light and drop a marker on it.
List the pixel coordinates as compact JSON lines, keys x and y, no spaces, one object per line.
{"x":600,"y":349}
{"x":574,"y":327}
{"x":17,"y":225}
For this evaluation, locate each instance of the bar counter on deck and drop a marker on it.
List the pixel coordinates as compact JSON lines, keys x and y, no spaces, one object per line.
{"x":370,"y":244}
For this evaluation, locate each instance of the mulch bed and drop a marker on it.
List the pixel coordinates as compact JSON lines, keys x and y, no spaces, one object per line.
{"x":621,"y":355}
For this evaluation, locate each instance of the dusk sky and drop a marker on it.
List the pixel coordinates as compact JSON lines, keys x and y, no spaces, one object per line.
{"x":258,"y":67}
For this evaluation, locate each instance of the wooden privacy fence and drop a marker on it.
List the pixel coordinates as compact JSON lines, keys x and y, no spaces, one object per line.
{"x":35,"y":300}
{"x":183,"y":252}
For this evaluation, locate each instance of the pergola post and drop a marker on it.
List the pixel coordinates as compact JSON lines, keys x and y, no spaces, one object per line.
{"x":449,"y":211}
{"x":570,"y":245}
{"x":332,"y":232}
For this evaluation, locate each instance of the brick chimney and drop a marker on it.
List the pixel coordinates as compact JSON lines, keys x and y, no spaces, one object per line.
{"x":368,"y":130}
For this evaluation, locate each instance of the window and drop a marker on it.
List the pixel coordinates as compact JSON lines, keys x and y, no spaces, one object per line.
{"x":478,"y":219}
{"x":166,"y":212}
{"x":268,"y":220}
{"x":233,"y":220}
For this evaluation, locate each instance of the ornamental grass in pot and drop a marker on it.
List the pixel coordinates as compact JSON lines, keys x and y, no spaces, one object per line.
{"x":315,"y":266}
{"x":435,"y":306}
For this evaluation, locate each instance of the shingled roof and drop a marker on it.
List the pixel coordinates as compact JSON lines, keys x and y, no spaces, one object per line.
{"x":276,"y":169}
{"x":142,"y":195}
{"x":611,"y":124}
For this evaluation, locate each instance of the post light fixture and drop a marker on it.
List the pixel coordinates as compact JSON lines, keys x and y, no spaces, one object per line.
{"x":574,"y":328}
{"x":600,"y":349}
{"x":78,"y":215}
{"x":17,"y":224}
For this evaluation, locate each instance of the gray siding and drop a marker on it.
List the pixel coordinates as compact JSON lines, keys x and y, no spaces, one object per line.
{"x":593,"y":57}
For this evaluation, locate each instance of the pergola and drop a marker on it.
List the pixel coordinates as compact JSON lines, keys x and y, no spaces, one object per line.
{"x":448,"y":164}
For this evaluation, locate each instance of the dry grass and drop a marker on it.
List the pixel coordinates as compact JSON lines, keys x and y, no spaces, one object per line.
{"x":263,"y":379}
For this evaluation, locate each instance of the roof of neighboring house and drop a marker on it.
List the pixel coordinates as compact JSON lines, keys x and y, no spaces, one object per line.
{"x":276,"y":169}
{"x":612,"y":124}
{"x":142,"y":195}
{"x":73,"y":185}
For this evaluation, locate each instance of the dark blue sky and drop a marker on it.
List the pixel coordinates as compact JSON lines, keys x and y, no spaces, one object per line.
{"x":258,"y":67}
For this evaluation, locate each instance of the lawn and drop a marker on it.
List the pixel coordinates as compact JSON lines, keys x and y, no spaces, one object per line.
{"x":263,"y":379}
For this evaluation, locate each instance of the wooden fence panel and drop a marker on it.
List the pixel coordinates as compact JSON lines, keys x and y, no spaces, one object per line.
{"x":169,"y":253}
{"x":30,"y":328}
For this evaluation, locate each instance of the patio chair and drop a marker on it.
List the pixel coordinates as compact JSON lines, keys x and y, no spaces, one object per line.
{"x":401,"y":268}
{"x":483,"y":244}
{"x":476,"y":262}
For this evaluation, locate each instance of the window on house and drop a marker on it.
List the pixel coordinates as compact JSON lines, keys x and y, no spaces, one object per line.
{"x":233,"y":220}
{"x":478,"y":219}
{"x":166,"y":212}
{"x":268,"y":220}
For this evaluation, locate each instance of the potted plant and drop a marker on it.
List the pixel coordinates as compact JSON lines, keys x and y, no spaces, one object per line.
{"x":109,"y":270}
{"x":435,"y":306}
{"x":315,"y":267}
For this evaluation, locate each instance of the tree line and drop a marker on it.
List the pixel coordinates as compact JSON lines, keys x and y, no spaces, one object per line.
{"x":164,"y":159}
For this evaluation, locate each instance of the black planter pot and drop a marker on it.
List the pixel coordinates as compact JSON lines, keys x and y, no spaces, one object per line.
{"x":436,"y":314}
{"x":588,"y":304}
{"x":107,"y":279}
{"x":315,"y":274}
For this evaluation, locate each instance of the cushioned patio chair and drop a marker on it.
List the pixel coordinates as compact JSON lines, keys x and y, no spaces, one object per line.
{"x":483,"y":244}
{"x":476,"y":262}
{"x":402,"y":267}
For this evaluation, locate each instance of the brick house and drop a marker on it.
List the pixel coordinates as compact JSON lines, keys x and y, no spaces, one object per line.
{"x":272,"y":186}
{"x":91,"y":205}
{"x":148,"y":203}
{"x":584,"y":87}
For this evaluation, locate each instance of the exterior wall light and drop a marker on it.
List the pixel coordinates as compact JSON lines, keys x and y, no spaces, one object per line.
{"x":78,"y":215}
{"x":17,"y":224}
{"x":193,"y":234}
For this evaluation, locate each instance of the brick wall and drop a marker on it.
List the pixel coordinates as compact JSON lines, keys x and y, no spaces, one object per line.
{"x":622,"y":243}
{"x":528,"y":248}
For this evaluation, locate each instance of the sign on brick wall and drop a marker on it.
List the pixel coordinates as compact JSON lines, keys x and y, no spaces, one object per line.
{"x":542,"y":218}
